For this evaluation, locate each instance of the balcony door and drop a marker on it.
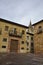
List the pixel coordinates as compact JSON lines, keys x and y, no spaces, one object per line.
{"x":14,"y":45}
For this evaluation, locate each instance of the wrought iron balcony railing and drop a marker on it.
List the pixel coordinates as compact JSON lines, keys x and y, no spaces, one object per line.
{"x":15,"y":34}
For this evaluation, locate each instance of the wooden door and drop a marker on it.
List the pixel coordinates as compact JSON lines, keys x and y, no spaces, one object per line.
{"x":14,"y":45}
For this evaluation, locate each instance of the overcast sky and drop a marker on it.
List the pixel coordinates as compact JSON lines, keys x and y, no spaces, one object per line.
{"x":22,"y":11}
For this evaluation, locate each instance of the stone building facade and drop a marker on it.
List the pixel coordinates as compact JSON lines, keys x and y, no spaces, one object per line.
{"x":38,"y":37}
{"x":19,"y":38}
{"x":14,"y":37}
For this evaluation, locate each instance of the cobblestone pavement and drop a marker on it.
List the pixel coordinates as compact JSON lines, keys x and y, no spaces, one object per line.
{"x":21,"y":59}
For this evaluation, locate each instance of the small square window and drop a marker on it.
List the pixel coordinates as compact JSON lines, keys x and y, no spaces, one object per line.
{"x":3,"y":46}
{"x":22,"y":42}
{"x":28,"y":37}
{"x":40,"y":27}
{"x":4,"y":39}
{"x":27,"y":48}
{"x":22,"y":48}
{"x":6,"y":28}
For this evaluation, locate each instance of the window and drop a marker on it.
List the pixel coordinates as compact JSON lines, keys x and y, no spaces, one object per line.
{"x":22,"y":48}
{"x":22,"y":42}
{"x":14,"y":28}
{"x":31,"y":38}
{"x":39,"y":29}
{"x":6,"y":28}
{"x":32,"y":44}
{"x":27,"y":48}
{"x":27,"y":37}
{"x":15,"y":31}
{"x":32,"y":49}
{"x":4,"y":39}
{"x":23,"y":31}
{"x":3,"y":46}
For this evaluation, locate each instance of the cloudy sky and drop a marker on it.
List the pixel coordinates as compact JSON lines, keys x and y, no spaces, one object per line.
{"x":22,"y":11}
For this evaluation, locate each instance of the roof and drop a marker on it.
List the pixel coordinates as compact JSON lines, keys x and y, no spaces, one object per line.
{"x":38,"y":22}
{"x":11,"y":22}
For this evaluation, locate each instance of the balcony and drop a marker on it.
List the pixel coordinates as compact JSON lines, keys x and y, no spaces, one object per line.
{"x":15,"y":34}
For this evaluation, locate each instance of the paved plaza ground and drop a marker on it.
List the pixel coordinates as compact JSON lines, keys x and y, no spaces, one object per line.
{"x":21,"y":59}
